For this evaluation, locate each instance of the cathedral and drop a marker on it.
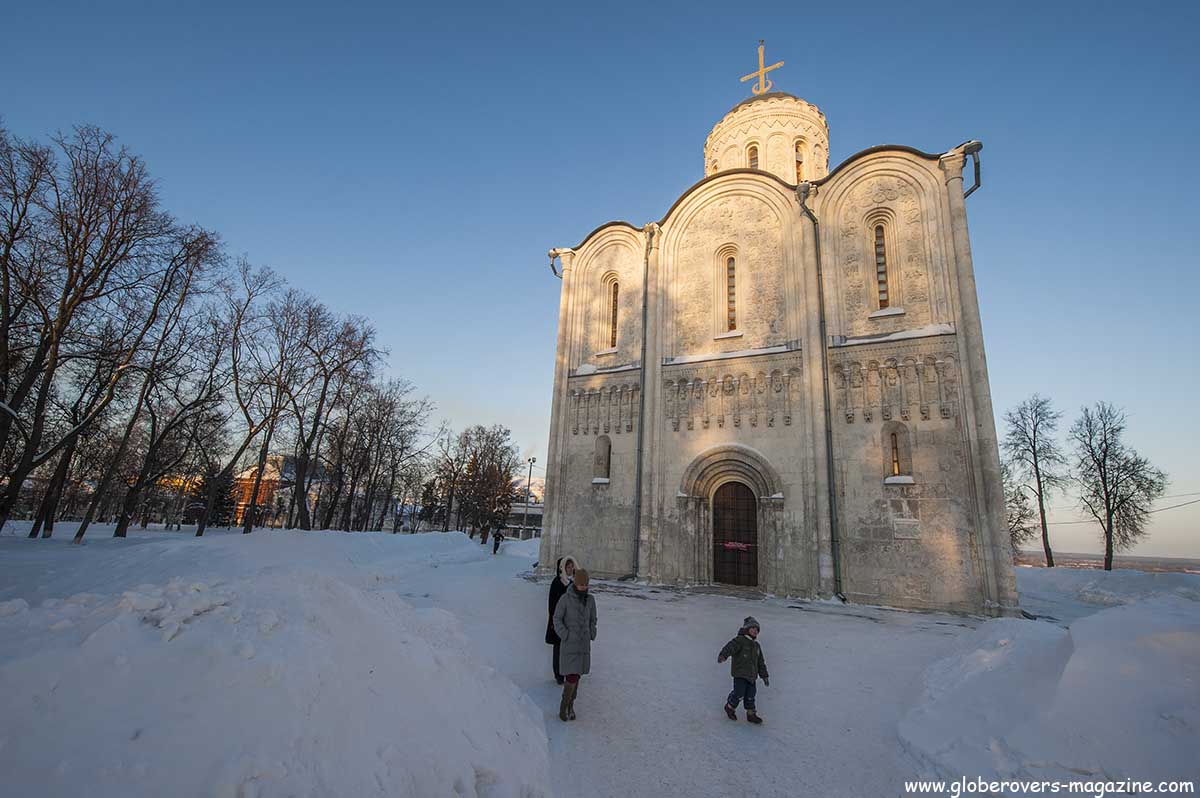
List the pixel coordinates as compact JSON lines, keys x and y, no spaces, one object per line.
{"x":781,"y":384}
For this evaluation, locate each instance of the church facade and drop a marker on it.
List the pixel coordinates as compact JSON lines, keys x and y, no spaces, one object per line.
{"x":782,"y":384}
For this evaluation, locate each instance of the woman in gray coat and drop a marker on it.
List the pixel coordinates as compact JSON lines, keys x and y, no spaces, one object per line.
{"x":575,"y":625}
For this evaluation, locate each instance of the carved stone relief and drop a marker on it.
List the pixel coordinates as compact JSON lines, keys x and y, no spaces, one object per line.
{"x":752,"y":227}
{"x":732,"y":395}
{"x":595,"y":407}
{"x":902,"y":205}
{"x":908,"y":385}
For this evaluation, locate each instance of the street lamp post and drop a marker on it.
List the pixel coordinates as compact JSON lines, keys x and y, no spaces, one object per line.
{"x":528,"y":486}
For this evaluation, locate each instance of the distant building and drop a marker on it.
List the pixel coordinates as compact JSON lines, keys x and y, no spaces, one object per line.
{"x":524,"y":527}
{"x":278,"y":475}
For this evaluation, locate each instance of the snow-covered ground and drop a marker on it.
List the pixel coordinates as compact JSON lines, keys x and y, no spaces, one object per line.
{"x":1064,"y":595}
{"x":286,"y":663}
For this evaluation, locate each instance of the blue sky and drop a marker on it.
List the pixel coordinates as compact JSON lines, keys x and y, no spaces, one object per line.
{"x":414,"y":165}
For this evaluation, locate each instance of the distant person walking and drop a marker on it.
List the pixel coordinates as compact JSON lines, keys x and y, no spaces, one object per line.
{"x":497,"y":539}
{"x":564,"y":573}
{"x":575,"y":624}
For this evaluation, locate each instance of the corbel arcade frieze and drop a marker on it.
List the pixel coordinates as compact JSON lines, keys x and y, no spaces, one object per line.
{"x":732,"y":393}
{"x":599,"y":406}
{"x":896,"y":381}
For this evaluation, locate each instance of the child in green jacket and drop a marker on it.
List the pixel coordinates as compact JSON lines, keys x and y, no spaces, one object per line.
{"x":748,"y":664}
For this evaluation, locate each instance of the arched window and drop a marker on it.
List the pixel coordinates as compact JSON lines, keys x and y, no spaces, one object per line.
{"x":612,"y":319}
{"x":897,"y":453}
{"x":752,"y":156}
{"x":799,"y":162}
{"x":881,"y":271}
{"x":602,"y":462}
{"x":731,"y":294}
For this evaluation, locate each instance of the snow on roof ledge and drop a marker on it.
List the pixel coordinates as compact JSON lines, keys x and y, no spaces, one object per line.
{"x":916,"y":332}
{"x":768,"y":350}
{"x":587,"y":369}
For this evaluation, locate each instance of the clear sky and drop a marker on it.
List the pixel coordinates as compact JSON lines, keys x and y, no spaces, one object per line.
{"x":413,"y":165}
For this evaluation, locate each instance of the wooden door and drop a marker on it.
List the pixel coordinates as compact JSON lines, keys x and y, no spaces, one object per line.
{"x":735,"y":535}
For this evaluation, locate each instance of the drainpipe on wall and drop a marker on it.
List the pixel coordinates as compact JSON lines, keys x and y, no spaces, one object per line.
{"x":650,"y":230}
{"x":802,"y":192}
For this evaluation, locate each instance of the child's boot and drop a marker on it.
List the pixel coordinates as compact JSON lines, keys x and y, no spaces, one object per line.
{"x":729,"y":712}
{"x":752,"y":716}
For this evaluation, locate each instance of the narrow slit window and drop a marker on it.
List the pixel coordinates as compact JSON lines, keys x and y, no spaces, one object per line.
{"x":895,"y":456}
{"x":881,"y":273}
{"x":752,"y":156}
{"x":612,"y":321}
{"x":602,"y":461}
{"x":731,"y":295}
{"x":799,"y":163}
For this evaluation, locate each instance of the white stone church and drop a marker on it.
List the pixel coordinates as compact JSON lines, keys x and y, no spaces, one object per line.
{"x":781,"y":384}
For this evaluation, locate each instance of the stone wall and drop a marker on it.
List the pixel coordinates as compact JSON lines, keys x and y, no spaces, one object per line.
{"x":741,"y":419}
{"x":908,"y":540}
{"x":598,"y":502}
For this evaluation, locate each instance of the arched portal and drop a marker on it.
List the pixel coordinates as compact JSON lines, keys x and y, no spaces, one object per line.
{"x":730,"y":494}
{"x":735,"y":535}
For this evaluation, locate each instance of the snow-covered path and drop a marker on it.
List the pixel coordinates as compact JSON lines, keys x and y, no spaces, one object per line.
{"x":650,"y":720}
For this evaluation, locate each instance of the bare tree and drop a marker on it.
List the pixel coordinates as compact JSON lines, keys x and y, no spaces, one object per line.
{"x":488,"y":482}
{"x":177,"y":407}
{"x":185,"y":261}
{"x":93,"y":247}
{"x":453,"y":454}
{"x":338,"y":350}
{"x":83,"y":388}
{"x":278,"y":356}
{"x":1018,"y":512}
{"x":1117,"y":486}
{"x":24,"y":172}
{"x":1035,"y":458}
{"x":246,"y":322}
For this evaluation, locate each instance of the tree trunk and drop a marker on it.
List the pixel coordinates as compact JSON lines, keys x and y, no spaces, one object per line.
{"x":248,"y":517}
{"x":349,"y":508}
{"x":1037,"y":476}
{"x":331,"y":511}
{"x":291,"y":509}
{"x":1108,"y":543}
{"x":398,"y":516}
{"x":54,"y":490}
{"x":111,"y":471}
{"x":129,"y":506}
{"x":1045,"y":530}
{"x":300,"y":492}
{"x":449,"y":507}
{"x":387,"y":501}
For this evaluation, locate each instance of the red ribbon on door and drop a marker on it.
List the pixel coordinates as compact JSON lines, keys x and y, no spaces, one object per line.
{"x":733,"y":545}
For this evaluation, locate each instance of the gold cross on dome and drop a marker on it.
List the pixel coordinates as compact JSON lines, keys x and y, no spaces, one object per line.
{"x":763,"y":84}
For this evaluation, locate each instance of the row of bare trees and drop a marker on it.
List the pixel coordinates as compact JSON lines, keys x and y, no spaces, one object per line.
{"x":1114,"y":485}
{"x":140,"y":371}
{"x":472,"y":480}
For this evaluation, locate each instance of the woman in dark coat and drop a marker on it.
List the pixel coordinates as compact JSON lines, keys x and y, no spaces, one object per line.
{"x":565,"y":571}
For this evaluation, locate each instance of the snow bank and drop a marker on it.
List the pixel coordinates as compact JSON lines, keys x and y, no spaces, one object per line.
{"x":1066,"y":594}
{"x":1108,"y":588}
{"x":1114,"y":697}
{"x":526,"y":549}
{"x":288,"y":683}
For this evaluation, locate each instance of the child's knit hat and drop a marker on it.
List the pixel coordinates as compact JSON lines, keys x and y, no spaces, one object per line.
{"x":749,"y":621}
